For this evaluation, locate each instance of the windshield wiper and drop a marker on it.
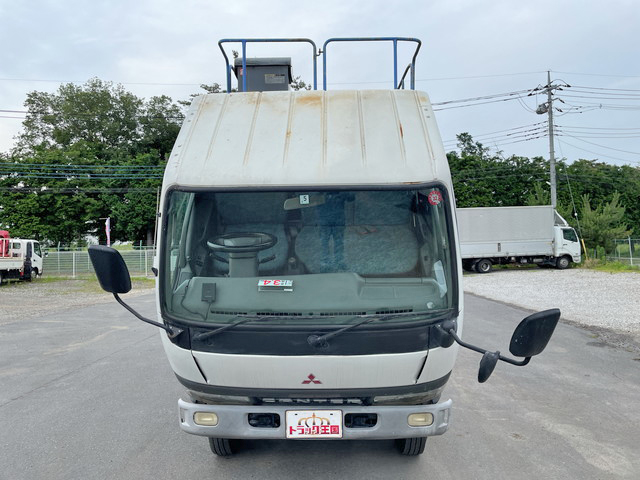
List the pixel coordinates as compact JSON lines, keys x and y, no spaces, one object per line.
{"x":213,"y":333}
{"x":321,"y":340}
{"x":243,"y":319}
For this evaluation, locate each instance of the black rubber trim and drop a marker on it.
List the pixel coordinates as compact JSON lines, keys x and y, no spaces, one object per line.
{"x":314,"y":393}
{"x":291,"y":341}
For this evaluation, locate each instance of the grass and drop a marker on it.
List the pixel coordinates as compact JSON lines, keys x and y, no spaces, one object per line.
{"x":82,"y":283}
{"x":609,"y":267}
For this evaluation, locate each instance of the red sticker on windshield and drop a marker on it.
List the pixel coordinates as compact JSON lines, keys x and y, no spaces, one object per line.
{"x":434,"y":197}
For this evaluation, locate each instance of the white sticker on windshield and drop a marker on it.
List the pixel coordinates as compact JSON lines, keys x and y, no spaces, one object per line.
{"x":275,"y":284}
{"x":304,"y":199}
{"x":440,"y":278}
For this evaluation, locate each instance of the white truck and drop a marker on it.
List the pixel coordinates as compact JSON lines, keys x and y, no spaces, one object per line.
{"x":500,"y":235}
{"x":20,"y":259}
{"x":309,"y":275}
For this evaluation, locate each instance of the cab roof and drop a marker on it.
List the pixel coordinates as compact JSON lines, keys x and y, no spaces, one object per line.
{"x":308,"y":138}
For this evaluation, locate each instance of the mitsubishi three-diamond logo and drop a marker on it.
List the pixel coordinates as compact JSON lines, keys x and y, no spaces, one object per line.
{"x":311,"y":379}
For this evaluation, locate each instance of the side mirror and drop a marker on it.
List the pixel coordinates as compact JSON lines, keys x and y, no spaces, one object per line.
{"x":532,"y":335}
{"x":110,"y":268}
{"x":530,"y":338}
{"x":114,"y":277}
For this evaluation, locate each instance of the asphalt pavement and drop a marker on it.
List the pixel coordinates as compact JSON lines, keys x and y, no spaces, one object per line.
{"x":87,"y":393}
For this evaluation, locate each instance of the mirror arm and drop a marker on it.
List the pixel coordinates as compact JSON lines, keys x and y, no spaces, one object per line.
{"x":171,"y":332}
{"x":520,"y":363}
{"x":459,"y":341}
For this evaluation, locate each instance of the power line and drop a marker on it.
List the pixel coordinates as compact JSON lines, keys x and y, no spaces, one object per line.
{"x":41,"y":190}
{"x":601,"y":128}
{"x":483,"y":97}
{"x":504,"y":133}
{"x":44,"y":80}
{"x":79,"y":166}
{"x":603,"y":146}
{"x":598,"y":153}
{"x":596,"y":74}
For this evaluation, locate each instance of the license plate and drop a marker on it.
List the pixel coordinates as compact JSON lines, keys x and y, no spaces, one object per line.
{"x":314,"y":423}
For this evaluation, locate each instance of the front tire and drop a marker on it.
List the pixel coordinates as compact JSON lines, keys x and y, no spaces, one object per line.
{"x":563,"y":263}
{"x":222,"y":447}
{"x":467,"y":265}
{"x":411,"y":446}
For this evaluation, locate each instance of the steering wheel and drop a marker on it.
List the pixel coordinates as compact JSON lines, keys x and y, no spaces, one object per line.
{"x":242,"y":242}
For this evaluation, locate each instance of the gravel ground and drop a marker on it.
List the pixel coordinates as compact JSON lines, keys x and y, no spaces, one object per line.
{"x":606,"y":303}
{"x":20,"y":300}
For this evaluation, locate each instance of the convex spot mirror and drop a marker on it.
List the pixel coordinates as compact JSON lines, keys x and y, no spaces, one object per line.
{"x":487,"y":365}
{"x":304,"y":201}
{"x":534,"y":332}
{"x":110,"y":269}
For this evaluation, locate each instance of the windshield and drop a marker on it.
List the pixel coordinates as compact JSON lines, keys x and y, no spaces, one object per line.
{"x":307,"y":257}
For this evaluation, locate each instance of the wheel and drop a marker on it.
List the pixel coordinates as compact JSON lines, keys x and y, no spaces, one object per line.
{"x":34,"y":274}
{"x":467,"y":265}
{"x":411,"y":446}
{"x":563,"y":262}
{"x":221,"y":446}
{"x":483,"y":266}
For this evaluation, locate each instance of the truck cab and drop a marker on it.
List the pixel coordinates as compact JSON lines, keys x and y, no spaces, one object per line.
{"x":309,"y":273}
{"x":29,"y":249}
{"x":308,"y":260}
{"x":20,"y":259}
{"x":566,"y":244}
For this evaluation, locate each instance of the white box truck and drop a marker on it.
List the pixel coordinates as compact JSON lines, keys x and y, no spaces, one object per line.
{"x":20,"y":259}
{"x":500,"y":235}
{"x":309,"y":275}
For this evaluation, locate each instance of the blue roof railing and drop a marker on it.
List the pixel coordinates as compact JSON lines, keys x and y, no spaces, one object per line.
{"x":410,"y":69}
{"x":244,"y":42}
{"x":396,"y":85}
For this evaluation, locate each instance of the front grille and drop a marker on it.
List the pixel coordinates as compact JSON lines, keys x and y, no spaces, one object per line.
{"x":313,"y":401}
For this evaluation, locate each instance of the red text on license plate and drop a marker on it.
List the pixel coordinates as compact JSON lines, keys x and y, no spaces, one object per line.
{"x":314,"y":423}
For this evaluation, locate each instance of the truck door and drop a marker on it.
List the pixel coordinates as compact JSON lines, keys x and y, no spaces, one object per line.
{"x":36,"y":259}
{"x":570,"y":243}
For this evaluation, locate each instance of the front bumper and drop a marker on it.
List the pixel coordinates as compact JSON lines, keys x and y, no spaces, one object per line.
{"x":391,"y":423}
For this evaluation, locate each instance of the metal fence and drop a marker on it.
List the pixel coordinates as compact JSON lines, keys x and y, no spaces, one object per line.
{"x":76,"y":262}
{"x":627,"y":250}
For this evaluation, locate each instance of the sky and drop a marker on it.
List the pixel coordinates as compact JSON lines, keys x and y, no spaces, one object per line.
{"x":496,"y":49}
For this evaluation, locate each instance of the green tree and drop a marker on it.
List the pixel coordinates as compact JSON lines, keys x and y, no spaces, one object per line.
{"x":484,"y":180}
{"x":98,"y":113}
{"x":600,"y":226}
{"x":539,"y":196}
{"x":87,"y":152}
{"x":298,"y":84}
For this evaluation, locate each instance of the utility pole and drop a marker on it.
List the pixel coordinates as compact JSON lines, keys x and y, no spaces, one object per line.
{"x":548,"y":109}
{"x":552,"y":157}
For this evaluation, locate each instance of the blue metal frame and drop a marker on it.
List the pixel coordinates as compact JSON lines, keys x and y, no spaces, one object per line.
{"x":396,"y":85}
{"x":244,"y":42}
{"x":395,"y":41}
